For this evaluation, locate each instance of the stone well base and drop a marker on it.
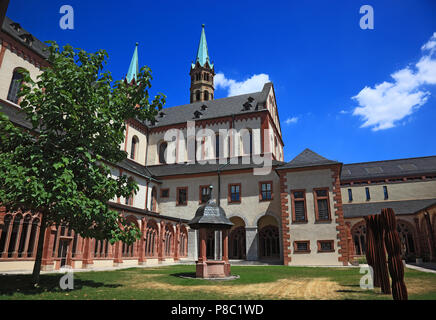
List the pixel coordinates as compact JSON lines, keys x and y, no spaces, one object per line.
{"x":212,"y":269}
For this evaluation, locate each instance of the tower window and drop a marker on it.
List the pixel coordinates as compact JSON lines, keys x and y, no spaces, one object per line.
{"x":350,"y":195}
{"x":197,"y":95}
{"x":368,"y":196}
{"x":162,"y":149}
{"x":206,"y":95}
{"x":17,"y":80}
{"x":134,"y":147}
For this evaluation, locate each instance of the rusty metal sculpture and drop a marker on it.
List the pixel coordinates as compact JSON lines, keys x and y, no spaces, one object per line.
{"x":376,"y":249}
{"x":393,"y":247}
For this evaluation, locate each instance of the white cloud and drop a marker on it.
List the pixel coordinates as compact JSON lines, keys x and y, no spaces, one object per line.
{"x":291,"y":120}
{"x":253,"y":84}
{"x":343,"y":112}
{"x":384,"y":105}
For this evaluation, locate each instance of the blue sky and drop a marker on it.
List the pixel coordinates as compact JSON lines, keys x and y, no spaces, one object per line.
{"x":314,"y":52}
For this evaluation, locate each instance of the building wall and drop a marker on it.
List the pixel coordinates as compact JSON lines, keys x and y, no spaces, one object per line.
{"x":250,"y":208}
{"x":311,"y":230}
{"x":412,"y":190}
{"x":10,"y":62}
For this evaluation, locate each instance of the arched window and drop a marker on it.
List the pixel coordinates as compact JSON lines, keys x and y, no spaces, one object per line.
{"x":206,"y":95}
{"x":269,"y":242}
{"x":197,"y":95}
{"x":150,"y":239}
{"x":168,"y":240}
{"x":134,"y":147}
{"x":162,"y":150}
{"x":14,"y":88}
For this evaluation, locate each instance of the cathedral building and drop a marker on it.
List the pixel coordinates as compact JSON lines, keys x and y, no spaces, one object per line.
{"x":308,"y":211}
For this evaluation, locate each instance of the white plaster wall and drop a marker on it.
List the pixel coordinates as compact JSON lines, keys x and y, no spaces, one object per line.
{"x":412,"y":190}
{"x":10,"y":62}
{"x":250,"y":208}
{"x":312,"y":230}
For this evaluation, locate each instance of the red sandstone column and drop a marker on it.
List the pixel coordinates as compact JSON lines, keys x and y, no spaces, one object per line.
{"x":177,"y":243}
{"x":160,"y":248}
{"x":226,"y":252}
{"x":88,"y":253}
{"x":142,"y":259}
{"x":118,"y":255}
{"x":418,"y":239}
{"x":47,"y":259}
{"x":202,"y":253}
{"x":226,"y":245}
{"x":17,"y":239}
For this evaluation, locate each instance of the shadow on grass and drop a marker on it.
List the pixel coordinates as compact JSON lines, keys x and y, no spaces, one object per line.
{"x":190,"y":275}
{"x":11,"y":284}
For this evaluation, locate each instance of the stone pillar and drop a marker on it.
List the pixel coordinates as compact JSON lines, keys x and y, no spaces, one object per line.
{"x":251,"y":242}
{"x":193,"y":244}
{"x":201,"y":265}
{"x":88,"y":254}
{"x":218,"y":242}
{"x":47,"y":258}
{"x":160,"y":247}
{"x":177,"y":243}
{"x":142,"y":259}
{"x":118,"y":259}
{"x":225,"y":256}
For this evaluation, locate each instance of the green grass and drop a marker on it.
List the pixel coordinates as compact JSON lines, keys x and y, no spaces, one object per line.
{"x":134,"y":283}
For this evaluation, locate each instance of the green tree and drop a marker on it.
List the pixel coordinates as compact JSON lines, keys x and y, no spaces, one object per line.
{"x":60,"y":169}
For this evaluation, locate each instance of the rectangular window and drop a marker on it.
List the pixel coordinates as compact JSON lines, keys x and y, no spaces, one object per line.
{"x":182,"y":196}
{"x":350,"y":195}
{"x":368,"y":196}
{"x":234,"y":193}
{"x":204,"y":194}
{"x":265,"y":192}
{"x":326,"y":246}
{"x":385,"y":191}
{"x":301,"y":246}
{"x":164,"y":193}
{"x":298,"y":198}
{"x":322,"y":205}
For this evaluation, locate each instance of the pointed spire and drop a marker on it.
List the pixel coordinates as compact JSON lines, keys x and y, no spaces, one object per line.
{"x":202,"y":53}
{"x":134,"y":68}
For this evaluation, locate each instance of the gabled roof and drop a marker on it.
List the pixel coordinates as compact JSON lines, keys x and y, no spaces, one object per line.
{"x":389,"y":168}
{"x":214,"y":108}
{"x":307,"y":158}
{"x":400,"y":207}
{"x":22,"y":36}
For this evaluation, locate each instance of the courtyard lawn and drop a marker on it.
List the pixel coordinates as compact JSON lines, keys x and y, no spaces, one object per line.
{"x":255,"y":282}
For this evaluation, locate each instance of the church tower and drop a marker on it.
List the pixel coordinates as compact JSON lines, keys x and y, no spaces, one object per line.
{"x":202,"y":73}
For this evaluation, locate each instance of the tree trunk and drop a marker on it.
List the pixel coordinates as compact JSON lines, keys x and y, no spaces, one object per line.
{"x":38,"y":258}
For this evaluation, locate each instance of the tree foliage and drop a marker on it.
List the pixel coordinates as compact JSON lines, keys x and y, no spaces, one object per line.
{"x":60,"y":168}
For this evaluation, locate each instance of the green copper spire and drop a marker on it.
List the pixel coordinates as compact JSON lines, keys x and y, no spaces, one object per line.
{"x":133,"y":69}
{"x":202,"y":53}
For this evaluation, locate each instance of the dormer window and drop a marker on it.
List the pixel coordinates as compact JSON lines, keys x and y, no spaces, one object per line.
{"x":250,"y":99}
{"x":27,"y":38}
{"x":203,"y":107}
{"x":162,"y":114}
{"x":197,"y":114}
{"x":247,"y":106}
{"x":16,"y":26}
